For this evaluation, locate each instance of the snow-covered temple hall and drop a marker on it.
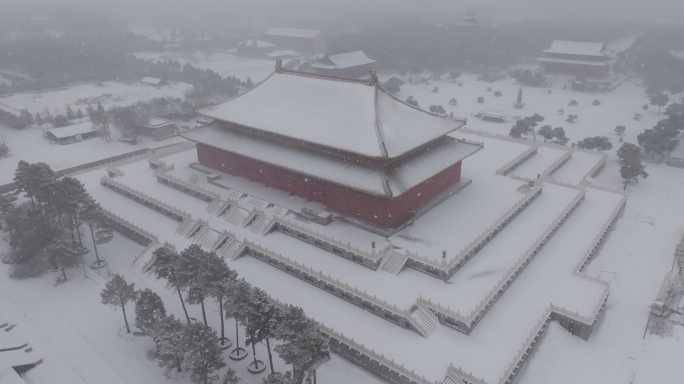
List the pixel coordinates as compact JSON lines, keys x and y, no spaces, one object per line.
{"x":347,"y":144}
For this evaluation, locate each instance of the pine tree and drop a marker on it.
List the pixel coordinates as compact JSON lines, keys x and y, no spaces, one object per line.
{"x":194,"y":276}
{"x":230,"y":377}
{"x":117,"y":293}
{"x":546,"y":132}
{"x":659,"y":100}
{"x":70,"y":115}
{"x":73,"y":196}
{"x":149,"y":311}
{"x":168,"y":338}
{"x":235,"y":307}
{"x":262,"y":319}
{"x":59,"y":252}
{"x":631,"y":167}
{"x":166,"y":262}
{"x":559,"y":135}
{"x":79,"y":114}
{"x":220,"y":282}
{"x":203,"y":355}
{"x":39,"y":120}
{"x":100,"y":230}
{"x":620,"y":130}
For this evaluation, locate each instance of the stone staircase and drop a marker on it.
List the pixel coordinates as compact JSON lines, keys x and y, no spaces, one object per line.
{"x":207,"y":239}
{"x":214,"y":206}
{"x":236,"y":216}
{"x":185,"y":227}
{"x":229,"y":250}
{"x":259,"y":224}
{"x":394,"y":263}
{"x":257,"y":202}
{"x":234,"y":193}
{"x":448,"y":380}
{"x":424,"y":319}
{"x":278,"y":210}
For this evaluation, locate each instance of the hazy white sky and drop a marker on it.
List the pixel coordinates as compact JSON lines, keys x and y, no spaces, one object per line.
{"x":262,"y":10}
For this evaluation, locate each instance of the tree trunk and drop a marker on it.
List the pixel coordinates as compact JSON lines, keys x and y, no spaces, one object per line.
{"x":625,"y":187}
{"x":173,"y":273}
{"x":270,"y":356}
{"x":97,"y":255}
{"x":179,"y":363}
{"x":123,"y":308}
{"x":314,"y":376}
{"x":71,"y":229}
{"x":204,"y":314}
{"x":63,"y":271}
{"x":254,"y":352}
{"x":237,"y":334}
{"x":223,"y":335}
{"x":78,"y":231}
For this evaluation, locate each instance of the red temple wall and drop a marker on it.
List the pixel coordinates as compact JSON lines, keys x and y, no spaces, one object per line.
{"x":382,"y":212}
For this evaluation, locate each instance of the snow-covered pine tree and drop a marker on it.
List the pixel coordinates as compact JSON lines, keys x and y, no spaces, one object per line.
{"x":117,"y":293}
{"x":168,"y":338}
{"x":100,"y":230}
{"x":70,"y":115}
{"x":220,"y":282}
{"x":631,"y":167}
{"x":73,"y":195}
{"x":262,"y":320}
{"x":60,"y":252}
{"x":149,"y":310}
{"x":203,"y":355}
{"x":231,"y":377}
{"x":166,"y":262}
{"x":235,"y":306}
{"x":194,"y":276}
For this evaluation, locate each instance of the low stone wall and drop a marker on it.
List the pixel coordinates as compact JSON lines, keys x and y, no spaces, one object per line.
{"x":144,"y":199}
{"x":130,"y":230}
{"x":181,"y":185}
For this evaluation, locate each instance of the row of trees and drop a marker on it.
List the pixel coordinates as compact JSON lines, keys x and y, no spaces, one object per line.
{"x":661,"y":138}
{"x":47,"y":227}
{"x":198,"y":276}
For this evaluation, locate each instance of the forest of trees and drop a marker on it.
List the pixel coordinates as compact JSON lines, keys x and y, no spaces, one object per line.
{"x":657,"y":56}
{"x":198,"y":277}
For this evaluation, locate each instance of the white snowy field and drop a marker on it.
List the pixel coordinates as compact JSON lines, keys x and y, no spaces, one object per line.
{"x":79,"y":96}
{"x":223,"y":63}
{"x":617,"y":107}
{"x":30,"y":145}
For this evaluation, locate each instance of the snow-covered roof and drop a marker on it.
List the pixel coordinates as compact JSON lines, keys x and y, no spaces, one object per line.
{"x":492,"y":112}
{"x":156,"y":122}
{"x":354,"y":116}
{"x":373,"y":179}
{"x":151,"y":80}
{"x":576,"y":48}
{"x":72,"y":130}
{"x":285,"y":53}
{"x":571,"y":61}
{"x":257,"y":43}
{"x":291,"y":32}
{"x":344,"y":60}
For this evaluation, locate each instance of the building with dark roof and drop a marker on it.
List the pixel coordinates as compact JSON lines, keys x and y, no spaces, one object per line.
{"x":575,"y":58}
{"x":344,"y":64}
{"x":302,"y":40}
{"x":348,"y":144}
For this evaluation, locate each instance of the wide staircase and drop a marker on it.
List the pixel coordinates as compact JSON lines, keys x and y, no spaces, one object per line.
{"x":236,"y":216}
{"x":229,"y":250}
{"x":259,"y":224}
{"x":185,"y":227}
{"x":448,"y":380}
{"x":393,"y":263}
{"x":425,"y":320}
{"x":207,"y":239}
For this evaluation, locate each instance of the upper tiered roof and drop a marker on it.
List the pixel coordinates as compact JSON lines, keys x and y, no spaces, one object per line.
{"x":354,"y":116}
{"x":576,"y":48}
{"x":343,"y":60}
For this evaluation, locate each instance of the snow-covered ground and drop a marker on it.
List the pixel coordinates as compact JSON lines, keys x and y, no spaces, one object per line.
{"x":79,"y":96}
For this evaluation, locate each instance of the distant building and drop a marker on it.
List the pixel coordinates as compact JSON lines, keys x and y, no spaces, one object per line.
{"x":345,"y":64}
{"x":158,"y":128}
{"x":255,"y":48}
{"x":153,"y":81}
{"x":575,"y":58}
{"x":302,"y":40}
{"x":71,"y":134}
{"x":345,"y":143}
{"x":492,"y":115}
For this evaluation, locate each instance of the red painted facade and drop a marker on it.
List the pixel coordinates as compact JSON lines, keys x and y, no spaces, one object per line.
{"x":378,"y":211}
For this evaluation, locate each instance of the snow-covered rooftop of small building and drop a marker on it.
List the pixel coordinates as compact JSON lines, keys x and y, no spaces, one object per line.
{"x":284,"y":53}
{"x":370,"y":179}
{"x":571,"y":61}
{"x":346,"y":115}
{"x":151,"y":80}
{"x":492,"y":112}
{"x":156,"y":122}
{"x":292,"y":32}
{"x":72,"y":130}
{"x":576,"y":48}
{"x":344,"y":60}
{"x":256,"y":43}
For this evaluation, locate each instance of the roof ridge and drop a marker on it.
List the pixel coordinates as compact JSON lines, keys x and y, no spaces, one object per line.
{"x":388,"y":93}
{"x":376,"y":124}
{"x":236,"y":96}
